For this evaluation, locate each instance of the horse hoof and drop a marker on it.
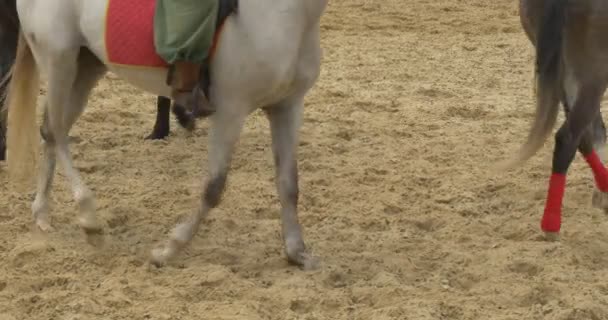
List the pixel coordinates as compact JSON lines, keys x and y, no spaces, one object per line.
{"x":44,"y":225}
{"x":158,"y":258}
{"x":551,"y":236}
{"x":157,"y":135}
{"x":305,"y":261}
{"x":600,"y":200}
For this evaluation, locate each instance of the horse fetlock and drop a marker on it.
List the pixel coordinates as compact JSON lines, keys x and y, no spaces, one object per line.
{"x":40,"y":206}
{"x":183,"y":233}
{"x":293,"y":245}
{"x":85,"y":199}
{"x":214,"y":190}
{"x":90,"y":224}
{"x":40,"y":212}
{"x":88,"y":219}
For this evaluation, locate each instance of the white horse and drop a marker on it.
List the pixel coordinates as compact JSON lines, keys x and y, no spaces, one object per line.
{"x":268,"y":57}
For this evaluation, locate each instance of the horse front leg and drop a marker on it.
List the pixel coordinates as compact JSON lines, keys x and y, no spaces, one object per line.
{"x":225,"y":130}
{"x":284,"y":124}
{"x":2,"y":132}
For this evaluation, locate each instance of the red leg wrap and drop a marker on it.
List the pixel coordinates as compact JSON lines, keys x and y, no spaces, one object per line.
{"x":599,"y":171}
{"x":552,"y":218}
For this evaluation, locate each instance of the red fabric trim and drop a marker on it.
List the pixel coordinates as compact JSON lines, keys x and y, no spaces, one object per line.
{"x":129,"y":33}
{"x":552,"y":217}
{"x":599,"y":171}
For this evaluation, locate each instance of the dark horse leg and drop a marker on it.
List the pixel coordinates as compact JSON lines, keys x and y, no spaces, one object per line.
{"x":6,"y":60}
{"x":162,"y":124}
{"x":2,"y":127}
{"x":577,"y":132}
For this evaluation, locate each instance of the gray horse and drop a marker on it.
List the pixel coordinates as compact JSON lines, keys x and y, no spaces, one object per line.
{"x":268,"y":56}
{"x":571,"y":49}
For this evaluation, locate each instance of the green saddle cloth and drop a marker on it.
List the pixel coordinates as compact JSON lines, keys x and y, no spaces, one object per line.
{"x":184,"y":29}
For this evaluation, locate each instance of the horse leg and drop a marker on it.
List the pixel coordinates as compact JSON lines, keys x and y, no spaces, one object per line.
{"x":224,"y":133}
{"x":2,"y":131}
{"x":567,"y":140}
{"x":89,"y":72}
{"x":72,"y":76}
{"x":162,"y":125}
{"x":3,"y":117}
{"x":284,"y":124}
{"x":40,"y":206}
{"x":592,"y":144}
{"x":598,"y":133}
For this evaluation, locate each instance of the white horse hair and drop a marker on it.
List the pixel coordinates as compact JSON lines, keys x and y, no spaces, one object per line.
{"x":268,"y":57}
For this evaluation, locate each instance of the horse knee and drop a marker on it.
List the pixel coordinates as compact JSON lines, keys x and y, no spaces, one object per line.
{"x":45,"y":132}
{"x":214,"y":190}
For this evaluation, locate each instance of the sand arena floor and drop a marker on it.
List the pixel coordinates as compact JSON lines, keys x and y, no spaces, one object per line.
{"x":415,"y":101}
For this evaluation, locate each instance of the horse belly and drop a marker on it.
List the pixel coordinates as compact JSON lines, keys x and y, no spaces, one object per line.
{"x":152,"y":80}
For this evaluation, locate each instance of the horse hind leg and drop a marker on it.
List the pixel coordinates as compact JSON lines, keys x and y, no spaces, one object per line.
{"x":284,"y":124}
{"x":592,"y":145}
{"x":89,"y":71}
{"x":226,"y":127}
{"x":574,"y":134}
{"x":40,"y":206}
{"x":64,"y":105}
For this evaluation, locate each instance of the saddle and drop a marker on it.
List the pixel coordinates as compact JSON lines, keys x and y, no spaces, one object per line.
{"x":191,"y":82}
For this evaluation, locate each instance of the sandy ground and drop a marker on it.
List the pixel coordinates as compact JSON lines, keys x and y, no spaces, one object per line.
{"x":417,"y":99}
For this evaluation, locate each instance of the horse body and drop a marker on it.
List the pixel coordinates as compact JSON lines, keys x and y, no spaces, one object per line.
{"x":572,"y":68}
{"x":241,"y":52}
{"x":268,"y":57}
{"x":531,"y":16}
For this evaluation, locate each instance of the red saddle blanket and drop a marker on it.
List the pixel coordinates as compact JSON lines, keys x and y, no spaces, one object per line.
{"x":129,"y":33}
